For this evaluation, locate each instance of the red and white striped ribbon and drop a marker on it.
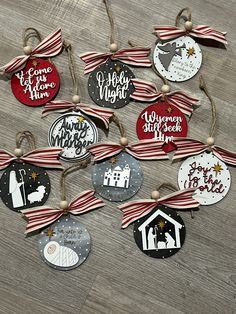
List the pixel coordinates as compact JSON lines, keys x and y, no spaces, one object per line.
{"x":147,"y":92}
{"x":134,"y":210}
{"x":49,"y":47}
{"x":62,"y":106}
{"x":43,"y":157}
{"x":199,"y":31}
{"x":144,"y":150}
{"x":131,"y":56}
{"x":40,"y":217}
{"x":189,"y":147}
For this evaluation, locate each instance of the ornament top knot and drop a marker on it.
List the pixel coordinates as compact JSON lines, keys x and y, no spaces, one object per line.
{"x":155,"y":195}
{"x":27,"y":50}
{"x":75,"y":99}
{"x":188,"y":25}
{"x":165,"y":88}
{"x":210,"y":141}
{"x":113,"y":47}
{"x":18,"y":152}
{"x":124,"y":141}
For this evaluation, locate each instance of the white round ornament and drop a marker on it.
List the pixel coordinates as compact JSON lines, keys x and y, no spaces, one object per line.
{"x":208,"y":174}
{"x":179,"y":59}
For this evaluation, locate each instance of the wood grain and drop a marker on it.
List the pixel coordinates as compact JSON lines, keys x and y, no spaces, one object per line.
{"x":117,"y":278}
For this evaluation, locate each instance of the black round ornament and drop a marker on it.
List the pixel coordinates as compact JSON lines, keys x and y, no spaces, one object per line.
{"x":23,"y":186}
{"x":161,"y":233}
{"x":109,"y":84}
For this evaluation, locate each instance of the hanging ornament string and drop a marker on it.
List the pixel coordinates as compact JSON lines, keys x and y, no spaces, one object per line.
{"x":189,"y":147}
{"x":144,"y":150}
{"x":62,"y":106}
{"x":180,"y":200}
{"x":40,"y":217}
{"x":49,"y":47}
{"x":200,"y":31}
{"x":28,"y":33}
{"x":148,"y":92}
{"x":43,"y":157}
{"x":136,"y":56}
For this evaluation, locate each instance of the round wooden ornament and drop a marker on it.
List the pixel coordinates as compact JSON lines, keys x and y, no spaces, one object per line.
{"x":162,"y":121}
{"x":179,"y":59}
{"x":161,"y":233}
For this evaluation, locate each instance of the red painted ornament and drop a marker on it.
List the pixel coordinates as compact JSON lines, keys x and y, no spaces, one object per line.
{"x":163,"y":122}
{"x":37,"y":83}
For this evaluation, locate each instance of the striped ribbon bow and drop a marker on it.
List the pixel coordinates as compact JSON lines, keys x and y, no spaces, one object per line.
{"x":43,"y":157}
{"x":134,"y":210}
{"x":62,"y":106}
{"x":146,"y":91}
{"x":145,"y":150}
{"x":200,"y":31}
{"x":49,"y":47}
{"x":40,"y":217}
{"x":189,"y":147}
{"x":131,"y":56}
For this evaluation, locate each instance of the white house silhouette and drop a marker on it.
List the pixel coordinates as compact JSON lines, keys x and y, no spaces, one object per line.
{"x":158,"y":212}
{"x":117,"y":177}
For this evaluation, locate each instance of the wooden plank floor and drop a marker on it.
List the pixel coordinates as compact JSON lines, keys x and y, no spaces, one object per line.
{"x":118,"y":278}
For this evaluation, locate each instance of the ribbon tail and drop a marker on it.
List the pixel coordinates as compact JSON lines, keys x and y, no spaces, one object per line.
{"x":44,"y":157}
{"x":187,"y":147}
{"x":135,"y":210}
{"x":183,"y":102}
{"x":144,"y":91}
{"x":207,"y":32}
{"x":147,"y":150}
{"x":94,"y":59}
{"x":102,"y":114}
{"x":103,"y":151}
{"x":182,"y":199}
{"x":168,"y":32}
{"x":6,"y":158}
{"x":15,"y":65}
{"x":59,"y":106}
{"x":227,"y":156}
{"x":50,"y":46}
{"x":40,"y":217}
{"x":137,"y":56}
{"x":84,"y":202}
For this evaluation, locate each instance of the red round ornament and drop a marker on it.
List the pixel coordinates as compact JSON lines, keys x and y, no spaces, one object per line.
{"x":162,"y":121}
{"x":37,"y":83}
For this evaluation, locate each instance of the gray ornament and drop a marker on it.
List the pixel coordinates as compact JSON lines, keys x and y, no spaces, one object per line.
{"x":73,"y":132}
{"x":118,"y":178}
{"x":65,"y":244}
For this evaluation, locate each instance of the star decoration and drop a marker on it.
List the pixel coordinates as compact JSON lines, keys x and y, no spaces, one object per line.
{"x":161,"y":224}
{"x":190,"y":52}
{"x":117,"y":68}
{"x":169,"y":109}
{"x":217,"y":168}
{"x":34,"y":175}
{"x":113,"y":160}
{"x":35,"y":63}
{"x":50,"y":233}
{"x":80,"y":119}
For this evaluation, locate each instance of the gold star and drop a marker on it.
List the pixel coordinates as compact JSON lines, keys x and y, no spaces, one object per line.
{"x":190,"y":52}
{"x":217,"y":168}
{"x":35,"y":63}
{"x":113,"y":160}
{"x":169,"y":109}
{"x":34,"y":175}
{"x":117,"y":68}
{"x":161,"y":224}
{"x":80,"y":119}
{"x":50,"y":232}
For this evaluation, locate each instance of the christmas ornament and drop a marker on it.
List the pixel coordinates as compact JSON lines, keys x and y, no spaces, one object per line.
{"x":165,"y":118}
{"x":178,"y":57}
{"x":35,"y":80}
{"x":25,"y":183}
{"x":206,"y":169}
{"x":116,"y":174}
{"x":159,"y":231}
{"x":109,"y":83}
{"x":65,"y":243}
{"x":74,"y":130}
